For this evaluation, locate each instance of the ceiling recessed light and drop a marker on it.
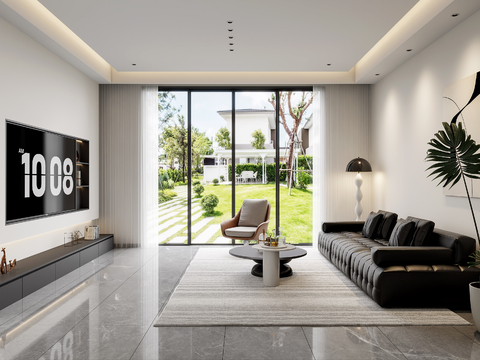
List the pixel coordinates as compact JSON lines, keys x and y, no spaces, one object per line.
{"x":329,"y":64}
{"x":409,"y":49}
{"x":229,"y":22}
{"x":230,"y":37}
{"x":230,"y":44}
{"x":134,"y":64}
{"x":377,"y":74}
{"x":230,"y":29}
{"x":231,"y":49}
{"x":455,"y":15}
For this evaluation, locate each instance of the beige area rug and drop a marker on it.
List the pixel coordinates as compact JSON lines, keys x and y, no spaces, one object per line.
{"x":218,"y":290}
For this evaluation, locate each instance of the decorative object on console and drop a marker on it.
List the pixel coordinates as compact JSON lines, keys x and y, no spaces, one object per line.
{"x":358,"y":165}
{"x":4,"y":268}
{"x":89,"y":233}
{"x":68,"y":239}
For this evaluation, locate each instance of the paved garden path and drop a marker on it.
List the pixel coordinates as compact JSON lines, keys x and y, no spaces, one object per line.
{"x":172,"y":219}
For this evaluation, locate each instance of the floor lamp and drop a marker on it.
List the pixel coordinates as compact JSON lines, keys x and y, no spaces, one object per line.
{"x":359,"y":165}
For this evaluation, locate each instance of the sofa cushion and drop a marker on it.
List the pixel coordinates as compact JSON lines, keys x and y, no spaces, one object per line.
{"x":370,"y":227}
{"x":402,"y":233}
{"x":241,"y":231}
{"x":423,"y":230}
{"x":386,"y":225}
{"x":254,"y":212}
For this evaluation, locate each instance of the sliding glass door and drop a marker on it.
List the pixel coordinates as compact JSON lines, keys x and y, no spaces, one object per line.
{"x":218,"y":148}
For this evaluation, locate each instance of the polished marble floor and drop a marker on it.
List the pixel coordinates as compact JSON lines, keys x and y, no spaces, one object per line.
{"x":106,"y":309}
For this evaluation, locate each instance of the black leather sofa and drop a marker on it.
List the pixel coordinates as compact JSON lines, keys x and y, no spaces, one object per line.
{"x":436,"y":275}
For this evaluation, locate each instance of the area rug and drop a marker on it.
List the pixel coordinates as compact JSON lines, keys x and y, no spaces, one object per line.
{"x":217,"y":289}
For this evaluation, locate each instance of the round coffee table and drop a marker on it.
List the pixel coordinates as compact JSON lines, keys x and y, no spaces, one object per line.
{"x":248,"y":252}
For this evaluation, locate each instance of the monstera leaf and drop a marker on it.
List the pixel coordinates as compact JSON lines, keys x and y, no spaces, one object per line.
{"x":454,"y":155}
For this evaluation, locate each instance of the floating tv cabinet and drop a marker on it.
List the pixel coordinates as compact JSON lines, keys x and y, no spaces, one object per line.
{"x":37,"y":271}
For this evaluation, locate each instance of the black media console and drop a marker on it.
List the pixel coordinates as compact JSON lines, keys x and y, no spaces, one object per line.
{"x":39,"y":270}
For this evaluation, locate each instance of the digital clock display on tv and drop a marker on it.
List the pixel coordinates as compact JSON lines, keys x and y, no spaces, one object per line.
{"x":40,"y":172}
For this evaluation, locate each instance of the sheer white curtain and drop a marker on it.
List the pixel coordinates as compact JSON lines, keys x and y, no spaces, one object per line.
{"x":341,"y":115}
{"x":128,"y":163}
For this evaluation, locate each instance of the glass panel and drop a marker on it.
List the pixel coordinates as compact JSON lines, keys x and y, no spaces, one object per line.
{"x":255,"y":149}
{"x":296,"y":207}
{"x":172,"y":167}
{"x":211,"y":155}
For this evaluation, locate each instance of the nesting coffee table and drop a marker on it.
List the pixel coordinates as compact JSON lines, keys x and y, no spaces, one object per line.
{"x":284,"y":256}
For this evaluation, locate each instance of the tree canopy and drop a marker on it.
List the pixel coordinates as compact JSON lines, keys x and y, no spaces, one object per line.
{"x":258,"y":139}
{"x":223,"y":138}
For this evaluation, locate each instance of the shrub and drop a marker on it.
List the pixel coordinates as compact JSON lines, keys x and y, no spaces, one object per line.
{"x":166,"y":195}
{"x":168,"y":184}
{"x":209,"y":202}
{"x":303,"y":179}
{"x":199,"y":189}
{"x":195,"y":182}
{"x":215,"y":182}
{"x":222,"y":178}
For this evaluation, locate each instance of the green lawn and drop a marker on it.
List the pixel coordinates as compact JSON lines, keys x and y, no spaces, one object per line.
{"x":295,"y":216}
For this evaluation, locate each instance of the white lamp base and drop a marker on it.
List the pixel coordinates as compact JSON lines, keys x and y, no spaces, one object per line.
{"x":358,"y":196}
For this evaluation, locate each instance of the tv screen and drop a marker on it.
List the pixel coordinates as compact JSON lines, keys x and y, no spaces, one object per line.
{"x":40,"y":173}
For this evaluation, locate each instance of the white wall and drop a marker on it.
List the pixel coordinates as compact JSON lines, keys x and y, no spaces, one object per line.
{"x":39,"y":89}
{"x":246,"y":124}
{"x":406,"y":111}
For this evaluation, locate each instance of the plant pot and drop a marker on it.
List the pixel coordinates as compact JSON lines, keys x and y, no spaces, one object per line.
{"x":475,"y":302}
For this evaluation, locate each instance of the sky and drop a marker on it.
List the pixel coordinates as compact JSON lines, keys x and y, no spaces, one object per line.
{"x":206,"y":104}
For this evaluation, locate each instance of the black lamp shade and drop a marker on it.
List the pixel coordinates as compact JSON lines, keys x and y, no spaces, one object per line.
{"x":359,"y":165}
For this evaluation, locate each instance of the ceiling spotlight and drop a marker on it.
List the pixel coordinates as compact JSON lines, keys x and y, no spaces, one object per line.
{"x":377,"y":74}
{"x":229,"y":22}
{"x":455,"y":15}
{"x":231,"y":44}
{"x":231,"y":49}
{"x":230,"y":29}
{"x":230,"y":37}
{"x":409,"y":49}
{"x":329,"y":64}
{"x":134,"y":64}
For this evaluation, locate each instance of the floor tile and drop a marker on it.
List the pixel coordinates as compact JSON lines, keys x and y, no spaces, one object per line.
{"x":361,"y":343}
{"x":258,"y":343}
{"x":181,"y":343}
{"x":90,"y":340}
{"x":437,"y":342}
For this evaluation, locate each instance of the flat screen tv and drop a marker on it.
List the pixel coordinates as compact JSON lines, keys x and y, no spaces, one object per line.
{"x":40,"y":173}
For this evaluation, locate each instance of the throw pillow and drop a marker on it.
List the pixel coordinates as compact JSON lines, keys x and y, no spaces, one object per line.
{"x":423,"y":230}
{"x":402,"y":233}
{"x":386,"y":225}
{"x":370,"y":227}
{"x":254,"y":212}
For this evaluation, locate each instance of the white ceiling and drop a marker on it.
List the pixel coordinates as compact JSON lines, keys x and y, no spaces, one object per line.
{"x":276,"y":42}
{"x":192,"y":35}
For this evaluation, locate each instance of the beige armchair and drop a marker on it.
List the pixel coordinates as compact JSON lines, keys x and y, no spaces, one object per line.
{"x":250,"y":221}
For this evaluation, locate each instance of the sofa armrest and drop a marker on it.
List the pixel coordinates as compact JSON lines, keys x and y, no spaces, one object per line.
{"x":339,"y":226}
{"x":385,"y":256}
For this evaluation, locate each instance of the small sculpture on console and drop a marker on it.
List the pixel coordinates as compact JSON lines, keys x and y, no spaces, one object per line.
{"x":4,"y":268}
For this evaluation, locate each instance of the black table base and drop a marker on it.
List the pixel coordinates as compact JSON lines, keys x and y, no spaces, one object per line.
{"x":285,"y":270}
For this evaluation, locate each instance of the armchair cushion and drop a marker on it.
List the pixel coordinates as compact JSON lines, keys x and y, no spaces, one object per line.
{"x":253,"y":212}
{"x":241,"y":231}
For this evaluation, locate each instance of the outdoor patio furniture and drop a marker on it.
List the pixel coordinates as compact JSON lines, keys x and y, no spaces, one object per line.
{"x":251,"y":220}
{"x":254,"y":176}
{"x":246,"y":176}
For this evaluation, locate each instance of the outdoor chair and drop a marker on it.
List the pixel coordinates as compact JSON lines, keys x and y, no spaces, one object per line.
{"x":254,"y":176}
{"x":251,"y":220}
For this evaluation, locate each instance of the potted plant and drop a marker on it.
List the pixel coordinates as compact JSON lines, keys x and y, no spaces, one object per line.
{"x":455,"y":156}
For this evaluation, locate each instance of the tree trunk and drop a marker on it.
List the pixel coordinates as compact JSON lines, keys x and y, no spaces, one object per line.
{"x":289,"y":164}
